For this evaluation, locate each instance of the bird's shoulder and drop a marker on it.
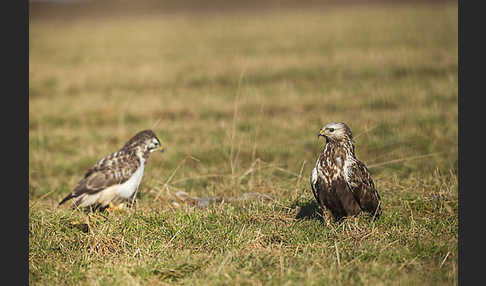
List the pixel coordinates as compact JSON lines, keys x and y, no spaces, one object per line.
{"x":116,"y":160}
{"x":359,"y":175}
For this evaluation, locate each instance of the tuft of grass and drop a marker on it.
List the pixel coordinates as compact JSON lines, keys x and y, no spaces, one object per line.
{"x":237,"y":100}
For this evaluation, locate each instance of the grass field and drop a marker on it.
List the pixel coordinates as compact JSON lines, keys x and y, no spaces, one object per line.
{"x":238,"y":99}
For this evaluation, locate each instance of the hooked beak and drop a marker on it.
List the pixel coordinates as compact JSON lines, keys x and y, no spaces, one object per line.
{"x":160,"y":149}
{"x":321,"y":133}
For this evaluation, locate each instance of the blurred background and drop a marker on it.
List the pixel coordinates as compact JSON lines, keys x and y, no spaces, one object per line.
{"x":237,"y":90}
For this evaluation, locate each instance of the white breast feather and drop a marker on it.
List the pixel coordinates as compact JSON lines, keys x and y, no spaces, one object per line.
{"x":122,"y":192}
{"x":127,"y":189}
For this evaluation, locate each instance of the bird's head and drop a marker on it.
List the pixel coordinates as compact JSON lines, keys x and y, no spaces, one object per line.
{"x":153,"y":145}
{"x":335,"y":131}
{"x":146,"y":140}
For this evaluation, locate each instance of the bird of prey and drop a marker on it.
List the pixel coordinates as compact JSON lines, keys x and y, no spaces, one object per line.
{"x":114,"y":179}
{"x":339,"y":181}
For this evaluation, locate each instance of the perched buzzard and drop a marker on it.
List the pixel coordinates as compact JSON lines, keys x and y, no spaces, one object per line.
{"x":115,"y":178}
{"x":339,"y":181}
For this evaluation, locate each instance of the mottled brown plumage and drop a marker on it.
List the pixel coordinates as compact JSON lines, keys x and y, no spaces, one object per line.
{"x":116,"y":177}
{"x":340,"y":182}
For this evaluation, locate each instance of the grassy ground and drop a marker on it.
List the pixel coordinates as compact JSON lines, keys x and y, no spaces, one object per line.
{"x":238,"y":100}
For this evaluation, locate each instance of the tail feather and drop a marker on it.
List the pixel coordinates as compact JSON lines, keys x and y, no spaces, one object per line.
{"x":68,"y":197}
{"x":377,"y":213}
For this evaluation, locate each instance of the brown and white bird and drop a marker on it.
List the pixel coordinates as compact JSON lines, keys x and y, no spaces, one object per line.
{"x":340,"y":182}
{"x":115,"y":178}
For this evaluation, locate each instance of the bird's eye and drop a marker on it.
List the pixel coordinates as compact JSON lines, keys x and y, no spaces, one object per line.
{"x":331,"y":129}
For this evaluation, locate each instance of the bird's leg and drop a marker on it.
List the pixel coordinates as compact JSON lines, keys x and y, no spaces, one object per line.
{"x":111,"y":207}
{"x":327,"y":216}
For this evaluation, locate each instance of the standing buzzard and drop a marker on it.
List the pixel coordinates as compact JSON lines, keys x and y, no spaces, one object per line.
{"x":115,"y":178}
{"x":339,"y":181}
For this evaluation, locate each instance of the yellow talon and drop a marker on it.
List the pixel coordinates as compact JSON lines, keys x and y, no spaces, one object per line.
{"x":111,"y":207}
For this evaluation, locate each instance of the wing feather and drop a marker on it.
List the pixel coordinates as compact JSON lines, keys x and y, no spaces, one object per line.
{"x":363,"y":189}
{"x":313,"y":181}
